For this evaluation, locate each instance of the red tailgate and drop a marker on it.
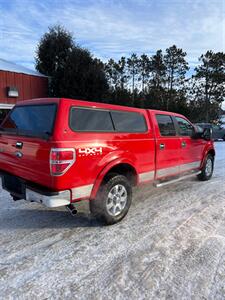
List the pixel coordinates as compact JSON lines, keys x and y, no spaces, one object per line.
{"x":30,"y":162}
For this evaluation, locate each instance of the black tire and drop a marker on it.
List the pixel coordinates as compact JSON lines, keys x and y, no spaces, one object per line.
{"x":99,"y":205}
{"x":205,"y":173}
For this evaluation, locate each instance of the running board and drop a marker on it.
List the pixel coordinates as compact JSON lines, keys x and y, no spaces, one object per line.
{"x":177,"y":179}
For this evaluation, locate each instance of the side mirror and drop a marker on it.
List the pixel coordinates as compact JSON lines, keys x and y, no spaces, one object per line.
{"x":207,"y":134}
{"x":200,"y":133}
{"x":197,"y":132}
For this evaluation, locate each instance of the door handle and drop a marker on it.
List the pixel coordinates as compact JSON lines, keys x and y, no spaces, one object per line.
{"x":183,"y":144}
{"x":162,"y":146}
{"x":19,"y":145}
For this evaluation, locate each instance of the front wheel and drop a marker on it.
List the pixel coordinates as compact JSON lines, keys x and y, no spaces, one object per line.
{"x":113,"y":199}
{"x":207,"y":170}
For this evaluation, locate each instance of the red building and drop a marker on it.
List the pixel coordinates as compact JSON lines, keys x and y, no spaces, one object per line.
{"x":18,"y":83}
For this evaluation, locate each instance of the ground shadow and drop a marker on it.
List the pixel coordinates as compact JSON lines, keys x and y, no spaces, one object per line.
{"x":37,"y":219}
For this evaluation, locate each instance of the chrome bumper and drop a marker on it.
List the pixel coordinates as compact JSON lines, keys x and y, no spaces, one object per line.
{"x":62,"y":199}
{"x":55,"y":200}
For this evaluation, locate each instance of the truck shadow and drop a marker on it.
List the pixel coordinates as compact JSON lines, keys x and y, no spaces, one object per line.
{"x":38,"y":218}
{"x":43,"y":219}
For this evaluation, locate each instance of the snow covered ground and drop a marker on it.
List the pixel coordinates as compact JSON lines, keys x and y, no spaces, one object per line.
{"x":171,"y":245}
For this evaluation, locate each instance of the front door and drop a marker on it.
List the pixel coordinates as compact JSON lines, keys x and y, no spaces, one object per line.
{"x":168,"y":158}
{"x":191,"y":149}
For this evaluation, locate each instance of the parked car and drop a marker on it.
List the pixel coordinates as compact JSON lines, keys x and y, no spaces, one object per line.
{"x":60,"y":151}
{"x":218,"y":131}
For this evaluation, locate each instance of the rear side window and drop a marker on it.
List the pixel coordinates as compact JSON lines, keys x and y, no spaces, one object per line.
{"x":185,"y":128}
{"x":82,"y":119}
{"x":128,"y":121}
{"x":31,"y":120}
{"x":166,"y":125}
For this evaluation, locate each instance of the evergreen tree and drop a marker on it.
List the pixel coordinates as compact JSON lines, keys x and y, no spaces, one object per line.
{"x":176,"y":68}
{"x":111,"y":73}
{"x":52,"y":54}
{"x":144,"y":71}
{"x":84,"y":77}
{"x":156,"y":90}
{"x":73,"y":71}
{"x":122,"y":72}
{"x":209,"y":82}
{"x":133,"y":68}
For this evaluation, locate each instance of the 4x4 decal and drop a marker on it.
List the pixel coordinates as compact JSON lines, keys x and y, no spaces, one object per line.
{"x":90,"y":151}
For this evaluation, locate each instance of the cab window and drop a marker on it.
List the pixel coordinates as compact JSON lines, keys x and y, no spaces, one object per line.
{"x":185,"y":128}
{"x":166,"y":125}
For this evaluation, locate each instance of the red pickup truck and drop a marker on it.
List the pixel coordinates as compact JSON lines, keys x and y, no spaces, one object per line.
{"x":60,"y":151}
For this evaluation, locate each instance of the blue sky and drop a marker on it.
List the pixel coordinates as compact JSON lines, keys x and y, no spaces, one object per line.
{"x":114,"y":28}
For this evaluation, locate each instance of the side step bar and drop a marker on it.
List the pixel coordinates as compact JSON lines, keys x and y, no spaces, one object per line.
{"x":176,"y":180}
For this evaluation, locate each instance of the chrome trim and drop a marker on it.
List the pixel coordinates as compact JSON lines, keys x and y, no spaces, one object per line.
{"x":177,"y":169}
{"x":168,"y":171}
{"x":82,"y":191}
{"x":177,"y":179}
{"x":69,"y":161}
{"x":186,"y":167}
{"x":146,"y":176}
{"x":62,"y":199}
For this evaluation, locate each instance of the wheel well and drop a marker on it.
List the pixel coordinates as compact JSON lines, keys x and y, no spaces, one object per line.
{"x":212,"y":152}
{"x":126,"y":170}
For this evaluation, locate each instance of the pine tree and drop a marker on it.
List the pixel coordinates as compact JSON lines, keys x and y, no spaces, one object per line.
{"x":133,"y":68}
{"x":176,"y":68}
{"x":209,"y":82}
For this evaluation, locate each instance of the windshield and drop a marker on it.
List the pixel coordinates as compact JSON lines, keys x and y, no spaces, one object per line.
{"x":30,"y":120}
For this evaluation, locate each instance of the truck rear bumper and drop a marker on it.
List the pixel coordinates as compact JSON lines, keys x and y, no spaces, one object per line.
{"x":21,"y":190}
{"x":61,"y":199}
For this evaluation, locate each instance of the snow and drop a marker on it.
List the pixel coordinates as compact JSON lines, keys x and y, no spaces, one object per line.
{"x":170,"y":245}
{"x":12,"y":67}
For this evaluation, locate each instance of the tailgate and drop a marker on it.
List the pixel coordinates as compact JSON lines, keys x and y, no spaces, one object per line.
{"x":25,"y":142}
{"x":30,"y":162}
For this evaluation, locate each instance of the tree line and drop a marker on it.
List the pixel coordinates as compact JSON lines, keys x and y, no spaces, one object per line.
{"x":160,"y":81}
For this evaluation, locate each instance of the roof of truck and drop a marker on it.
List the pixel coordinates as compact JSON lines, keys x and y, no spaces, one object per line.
{"x":80,"y":103}
{"x":94,"y":105}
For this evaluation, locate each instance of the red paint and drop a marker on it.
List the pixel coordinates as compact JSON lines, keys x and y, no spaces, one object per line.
{"x":139,"y":150}
{"x":29,"y":86}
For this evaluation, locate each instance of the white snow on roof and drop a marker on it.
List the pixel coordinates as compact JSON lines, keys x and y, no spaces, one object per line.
{"x":6,"y":106}
{"x":12,"y":67}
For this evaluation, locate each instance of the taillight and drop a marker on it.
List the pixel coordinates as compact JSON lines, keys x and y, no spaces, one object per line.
{"x":61,"y":159}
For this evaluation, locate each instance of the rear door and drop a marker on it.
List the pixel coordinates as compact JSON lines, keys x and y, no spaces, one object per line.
{"x":191,"y":149}
{"x":167,"y":146}
{"x":25,"y":142}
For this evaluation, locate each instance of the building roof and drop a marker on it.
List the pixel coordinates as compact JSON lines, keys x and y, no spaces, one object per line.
{"x":6,"y":106}
{"x":12,"y":67}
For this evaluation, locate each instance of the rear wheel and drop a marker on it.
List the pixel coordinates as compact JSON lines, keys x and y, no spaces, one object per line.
{"x":207,"y":170}
{"x":113,"y":199}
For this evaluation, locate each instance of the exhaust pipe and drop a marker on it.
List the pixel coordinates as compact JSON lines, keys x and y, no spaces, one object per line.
{"x":72,"y":209}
